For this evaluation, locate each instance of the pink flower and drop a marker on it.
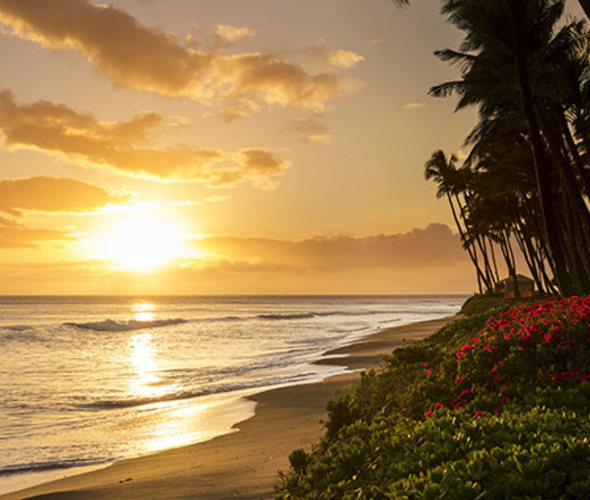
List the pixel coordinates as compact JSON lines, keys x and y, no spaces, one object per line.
{"x":465,"y":394}
{"x":459,"y":404}
{"x":438,"y":406}
{"x":478,"y":414}
{"x":428,"y":414}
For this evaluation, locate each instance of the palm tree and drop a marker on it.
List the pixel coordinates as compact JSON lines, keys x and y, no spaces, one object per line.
{"x":585,"y":4}
{"x":444,"y":172}
{"x":507,"y":45}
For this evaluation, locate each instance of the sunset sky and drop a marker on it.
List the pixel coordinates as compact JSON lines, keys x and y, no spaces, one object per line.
{"x":235,"y":146}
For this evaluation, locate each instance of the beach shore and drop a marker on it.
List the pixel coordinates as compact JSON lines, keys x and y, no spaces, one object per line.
{"x":244,"y":464}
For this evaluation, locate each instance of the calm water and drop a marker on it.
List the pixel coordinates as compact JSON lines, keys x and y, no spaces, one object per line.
{"x":86,"y":381}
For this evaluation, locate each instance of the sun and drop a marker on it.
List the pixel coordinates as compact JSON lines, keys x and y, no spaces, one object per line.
{"x":141,"y":242}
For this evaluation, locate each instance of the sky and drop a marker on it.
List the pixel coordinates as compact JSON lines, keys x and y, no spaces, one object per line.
{"x":227,"y":147}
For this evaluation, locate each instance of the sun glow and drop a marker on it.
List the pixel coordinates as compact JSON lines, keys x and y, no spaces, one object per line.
{"x":143,"y":242}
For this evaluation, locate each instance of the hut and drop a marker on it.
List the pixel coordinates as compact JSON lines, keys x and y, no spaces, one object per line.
{"x":526,"y":286}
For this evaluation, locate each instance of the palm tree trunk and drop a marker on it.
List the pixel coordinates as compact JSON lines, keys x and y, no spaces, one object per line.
{"x":540,"y":160}
{"x":472,"y":256}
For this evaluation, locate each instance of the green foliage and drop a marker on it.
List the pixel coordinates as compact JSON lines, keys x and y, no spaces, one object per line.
{"x":402,"y":434}
{"x":299,"y":461}
{"x":478,"y":304}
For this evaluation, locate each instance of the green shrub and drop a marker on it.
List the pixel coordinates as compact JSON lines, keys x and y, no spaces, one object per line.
{"x":478,"y":304}
{"x":484,"y":408}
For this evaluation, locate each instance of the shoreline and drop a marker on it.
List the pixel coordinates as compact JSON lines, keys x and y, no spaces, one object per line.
{"x":240,"y":464}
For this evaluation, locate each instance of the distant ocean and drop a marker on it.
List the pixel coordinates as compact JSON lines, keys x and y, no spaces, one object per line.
{"x":89,"y":380}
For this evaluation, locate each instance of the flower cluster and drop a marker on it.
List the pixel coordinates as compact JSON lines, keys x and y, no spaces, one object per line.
{"x":545,"y":345}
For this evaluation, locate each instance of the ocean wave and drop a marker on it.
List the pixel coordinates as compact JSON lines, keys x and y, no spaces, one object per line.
{"x":50,"y":465}
{"x":268,"y":381}
{"x":110,"y":325}
{"x":311,"y":314}
{"x":112,"y":404}
{"x":17,"y":328}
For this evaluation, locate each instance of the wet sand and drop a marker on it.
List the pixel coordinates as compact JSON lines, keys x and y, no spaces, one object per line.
{"x":244,"y":464}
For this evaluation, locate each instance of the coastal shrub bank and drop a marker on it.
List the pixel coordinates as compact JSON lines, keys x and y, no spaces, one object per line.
{"x":491,"y":406}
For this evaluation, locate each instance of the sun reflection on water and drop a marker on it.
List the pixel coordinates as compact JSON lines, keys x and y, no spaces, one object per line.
{"x":178,"y":427}
{"x":143,"y":311}
{"x":145,"y":382}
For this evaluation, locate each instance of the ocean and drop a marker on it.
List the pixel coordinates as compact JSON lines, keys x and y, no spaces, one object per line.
{"x":86,"y":381}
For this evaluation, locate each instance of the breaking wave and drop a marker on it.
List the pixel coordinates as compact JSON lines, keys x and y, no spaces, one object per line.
{"x":111,"y":325}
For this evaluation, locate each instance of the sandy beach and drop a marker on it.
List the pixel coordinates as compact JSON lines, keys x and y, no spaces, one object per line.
{"x":244,"y":464}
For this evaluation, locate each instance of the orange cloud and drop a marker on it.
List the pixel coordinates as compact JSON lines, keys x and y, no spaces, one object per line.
{"x":318,"y":139}
{"x":426,"y":260}
{"x":51,"y":194}
{"x":57,"y":129}
{"x":231,"y":33}
{"x":14,"y":235}
{"x":147,"y":59}
{"x":435,"y":245}
{"x":313,"y":130}
{"x":413,"y":106}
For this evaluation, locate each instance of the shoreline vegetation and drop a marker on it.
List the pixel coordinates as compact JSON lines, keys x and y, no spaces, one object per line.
{"x":495,"y":405}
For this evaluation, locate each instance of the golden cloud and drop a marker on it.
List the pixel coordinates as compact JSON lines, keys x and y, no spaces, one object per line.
{"x":345,"y":59}
{"x":52,"y":194}
{"x":434,"y":245}
{"x":14,"y":235}
{"x":146,"y":59}
{"x":318,"y":139}
{"x":413,"y":106}
{"x":57,"y":129}
{"x":423,"y":260}
{"x":308,"y":126}
{"x":232,"y":33}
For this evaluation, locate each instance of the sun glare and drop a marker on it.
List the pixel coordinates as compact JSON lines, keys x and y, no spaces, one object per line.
{"x":142,"y":242}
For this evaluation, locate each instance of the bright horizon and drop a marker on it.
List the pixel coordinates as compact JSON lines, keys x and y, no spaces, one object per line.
{"x":191,"y":148}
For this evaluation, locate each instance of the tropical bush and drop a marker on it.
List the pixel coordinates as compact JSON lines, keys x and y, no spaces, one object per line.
{"x":485,"y":408}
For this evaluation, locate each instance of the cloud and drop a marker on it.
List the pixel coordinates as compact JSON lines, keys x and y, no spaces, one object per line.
{"x":308,"y":126}
{"x":239,"y":108}
{"x":52,"y":194}
{"x":180,"y":121}
{"x":413,"y":106}
{"x":435,"y":245}
{"x":318,"y":139}
{"x":344,"y":59}
{"x":428,"y":260}
{"x":313,"y":131}
{"x":232,"y":33}
{"x":57,"y":129}
{"x":142,"y":58}
{"x":322,"y":58}
{"x":14,"y":235}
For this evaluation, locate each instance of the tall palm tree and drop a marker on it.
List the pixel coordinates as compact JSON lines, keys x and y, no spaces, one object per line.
{"x":444,"y":172}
